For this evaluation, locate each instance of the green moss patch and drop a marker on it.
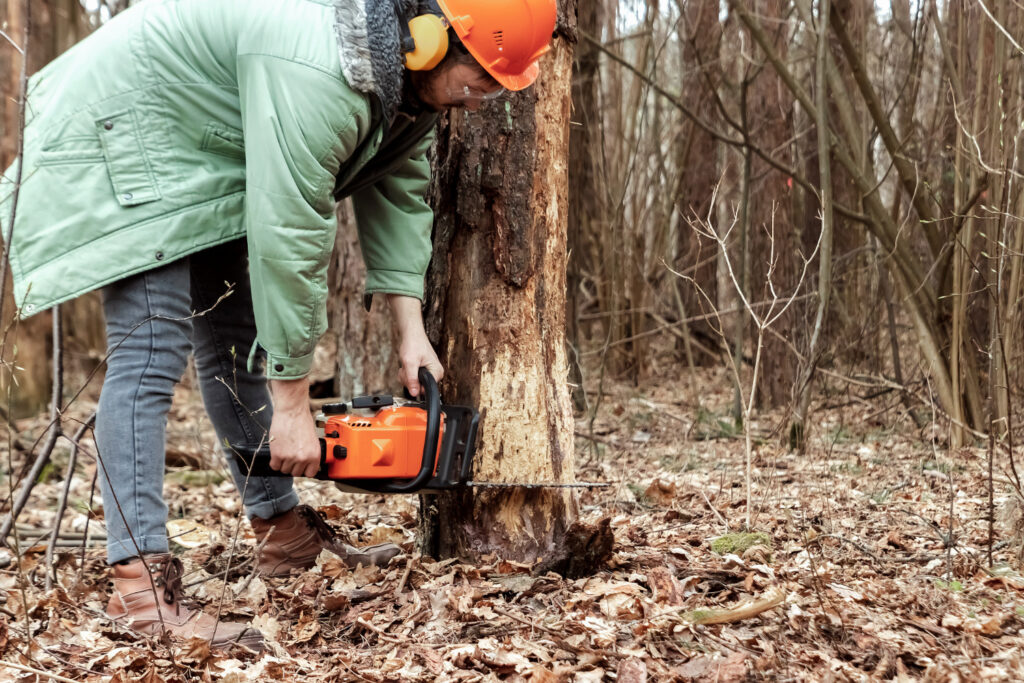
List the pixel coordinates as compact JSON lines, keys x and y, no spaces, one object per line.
{"x":740,"y":542}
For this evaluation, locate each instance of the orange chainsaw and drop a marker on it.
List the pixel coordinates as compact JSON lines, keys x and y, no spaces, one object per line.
{"x":380,"y":444}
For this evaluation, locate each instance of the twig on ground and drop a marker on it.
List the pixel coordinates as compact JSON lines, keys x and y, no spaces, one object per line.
{"x":405,"y":575}
{"x":380,"y":633}
{"x":256,"y":559}
{"x":596,"y":438}
{"x":714,"y":510}
{"x":85,"y":532}
{"x":62,"y":504}
{"x":745,"y":610}
{"x":37,"y":672}
{"x":555,"y":634}
{"x":858,"y":546}
{"x":29,"y":482}
{"x":26,"y":529}
{"x":54,"y":433}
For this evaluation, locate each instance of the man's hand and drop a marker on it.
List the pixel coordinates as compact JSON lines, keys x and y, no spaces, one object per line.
{"x":294,"y":445}
{"x":415,"y":351}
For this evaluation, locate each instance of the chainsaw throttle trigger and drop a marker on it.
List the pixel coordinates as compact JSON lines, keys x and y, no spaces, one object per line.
{"x":432,"y":396}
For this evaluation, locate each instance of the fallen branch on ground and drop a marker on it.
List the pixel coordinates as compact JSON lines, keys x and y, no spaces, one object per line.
{"x":747,"y":609}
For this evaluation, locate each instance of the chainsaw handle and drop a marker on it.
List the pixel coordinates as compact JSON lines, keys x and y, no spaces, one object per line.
{"x":432,"y":400}
{"x":256,"y":463}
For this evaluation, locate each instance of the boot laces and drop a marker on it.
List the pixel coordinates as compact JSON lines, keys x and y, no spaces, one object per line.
{"x":169,"y":573}
{"x":316,"y":523}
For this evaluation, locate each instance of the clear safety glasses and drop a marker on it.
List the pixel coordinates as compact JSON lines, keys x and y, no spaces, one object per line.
{"x":472,"y":95}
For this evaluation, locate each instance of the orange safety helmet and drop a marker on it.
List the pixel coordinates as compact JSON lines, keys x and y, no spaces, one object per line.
{"x":507,"y":37}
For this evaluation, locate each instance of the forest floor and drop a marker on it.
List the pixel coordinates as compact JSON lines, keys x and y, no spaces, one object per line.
{"x":868,"y":561}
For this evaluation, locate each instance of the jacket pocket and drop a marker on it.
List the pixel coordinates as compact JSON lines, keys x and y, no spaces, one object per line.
{"x":222,"y":140}
{"x":77,"y":149}
{"x":129,"y":167}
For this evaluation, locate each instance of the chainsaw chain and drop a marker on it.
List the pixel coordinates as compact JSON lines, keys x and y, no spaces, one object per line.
{"x":509,"y":485}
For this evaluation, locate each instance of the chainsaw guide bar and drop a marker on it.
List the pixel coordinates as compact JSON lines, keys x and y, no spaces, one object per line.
{"x":510,"y":485}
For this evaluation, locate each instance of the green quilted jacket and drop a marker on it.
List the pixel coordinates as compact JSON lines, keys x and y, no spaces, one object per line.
{"x":182,"y":124}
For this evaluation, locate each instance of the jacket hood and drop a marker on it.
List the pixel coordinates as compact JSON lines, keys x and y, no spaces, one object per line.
{"x":369,"y":45}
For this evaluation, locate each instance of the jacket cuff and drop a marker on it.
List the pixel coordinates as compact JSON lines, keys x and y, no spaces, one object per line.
{"x":392,"y":282}
{"x":285,"y":367}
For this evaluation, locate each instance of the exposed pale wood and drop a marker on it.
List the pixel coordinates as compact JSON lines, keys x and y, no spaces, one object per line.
{"x":748,"y":609}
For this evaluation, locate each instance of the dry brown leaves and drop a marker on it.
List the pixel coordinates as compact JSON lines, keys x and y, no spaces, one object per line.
{"x":860,"y":580}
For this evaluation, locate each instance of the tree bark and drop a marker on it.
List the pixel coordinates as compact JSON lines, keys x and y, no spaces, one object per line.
{"x":798,"y":425}
{"x":497,"y":313}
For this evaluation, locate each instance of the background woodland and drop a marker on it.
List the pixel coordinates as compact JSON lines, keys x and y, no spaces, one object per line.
{"x":790,"y":235}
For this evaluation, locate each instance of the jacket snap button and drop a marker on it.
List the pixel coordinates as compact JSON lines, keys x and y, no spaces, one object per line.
{"x":279,"y":368}
{"x":108,"y":125}
{"x":127,"y":195}
{"x":159,"y":256}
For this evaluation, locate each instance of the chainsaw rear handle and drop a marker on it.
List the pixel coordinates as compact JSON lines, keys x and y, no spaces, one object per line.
{"x":257,"y":463}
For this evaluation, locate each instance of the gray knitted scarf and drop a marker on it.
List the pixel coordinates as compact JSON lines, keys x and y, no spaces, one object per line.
{"x":369,"y":45}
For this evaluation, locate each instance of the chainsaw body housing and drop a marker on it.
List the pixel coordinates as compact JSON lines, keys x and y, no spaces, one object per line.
{"x":388,"y":445}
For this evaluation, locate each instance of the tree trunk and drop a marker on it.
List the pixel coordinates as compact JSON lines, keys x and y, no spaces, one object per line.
{"x":798,"y":426}
{"x":585,"y":199}
{"x":361,"y":346}
{"x":56,"y":25}
{"x":697,"y":156}
{"x":497,"y":315}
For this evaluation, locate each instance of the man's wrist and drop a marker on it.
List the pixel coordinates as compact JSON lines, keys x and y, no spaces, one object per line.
{"x":290,"y":395}
{"x":407,"y":312}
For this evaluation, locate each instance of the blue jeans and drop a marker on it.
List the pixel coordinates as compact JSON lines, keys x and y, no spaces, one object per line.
{"x":151,"y":328}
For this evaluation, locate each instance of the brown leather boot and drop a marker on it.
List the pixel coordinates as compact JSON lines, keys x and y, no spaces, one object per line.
{"x":151,"y":612}
{"x":296,"y":538}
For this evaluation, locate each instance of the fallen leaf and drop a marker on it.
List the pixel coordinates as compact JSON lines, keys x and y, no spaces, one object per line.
{"x":385,"y":534}
{"x":189,"y":534}
{"x":847,"y":593}
{"x":305,"y":630}
{"x":632,"y":670}
{"x":592,"y":676}
{"x":952,"y":621}
{"x":664,"y":586}
{"x":730,"y":669}
{"x":660,"y":492}
{"x":621,"y":606}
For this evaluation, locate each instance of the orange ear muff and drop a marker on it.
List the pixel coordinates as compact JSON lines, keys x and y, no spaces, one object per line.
{"x":431,"y":35}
